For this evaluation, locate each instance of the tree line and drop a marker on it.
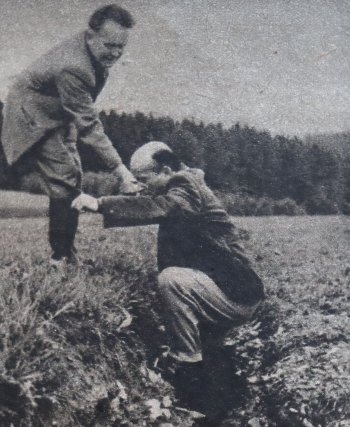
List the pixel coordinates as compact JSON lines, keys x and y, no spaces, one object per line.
{"x":253,"y":171}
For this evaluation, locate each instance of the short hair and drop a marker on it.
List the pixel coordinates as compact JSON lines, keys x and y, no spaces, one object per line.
{"x":111,"y":12}
{"x":167,"y":158}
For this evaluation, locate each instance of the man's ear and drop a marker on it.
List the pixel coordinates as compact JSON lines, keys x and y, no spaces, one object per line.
{"x":166,"y":170}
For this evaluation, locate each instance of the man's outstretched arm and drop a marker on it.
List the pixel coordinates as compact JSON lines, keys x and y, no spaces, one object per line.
{"x":141,"y":210}
{"x":78,"y":105}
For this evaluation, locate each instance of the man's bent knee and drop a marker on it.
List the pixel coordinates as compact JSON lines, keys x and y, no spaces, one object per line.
{"x":176,"y":279}
{"x":167,"y":277}
{"x":61,"y":192}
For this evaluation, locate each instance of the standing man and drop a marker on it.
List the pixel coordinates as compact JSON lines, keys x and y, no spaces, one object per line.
{"x":50,"y":108}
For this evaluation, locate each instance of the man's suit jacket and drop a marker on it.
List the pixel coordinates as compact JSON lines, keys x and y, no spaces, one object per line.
{"x":57,"y":90}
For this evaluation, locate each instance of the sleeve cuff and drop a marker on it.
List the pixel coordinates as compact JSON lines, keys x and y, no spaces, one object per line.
{"x":100,"y":205}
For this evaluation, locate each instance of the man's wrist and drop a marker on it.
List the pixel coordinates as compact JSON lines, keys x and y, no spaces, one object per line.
{"x":119,"y":169}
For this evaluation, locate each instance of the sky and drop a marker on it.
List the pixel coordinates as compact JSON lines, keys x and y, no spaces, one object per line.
{"x":277,"y":65}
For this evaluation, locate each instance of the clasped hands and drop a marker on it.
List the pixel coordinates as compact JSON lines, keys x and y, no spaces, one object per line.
{"x":128,"y":186}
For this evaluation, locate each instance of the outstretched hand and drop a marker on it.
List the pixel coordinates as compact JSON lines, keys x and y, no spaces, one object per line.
{"x":129,"y":188}
{"x":128,"y":183}
{"x":85,"y":202}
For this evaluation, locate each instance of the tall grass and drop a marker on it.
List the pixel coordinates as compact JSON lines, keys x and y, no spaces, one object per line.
{"x":77,"y":350}
{"x":69,"y":353}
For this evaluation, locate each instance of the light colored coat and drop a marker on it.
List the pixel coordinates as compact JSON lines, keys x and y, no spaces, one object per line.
{"x":58,"y":90}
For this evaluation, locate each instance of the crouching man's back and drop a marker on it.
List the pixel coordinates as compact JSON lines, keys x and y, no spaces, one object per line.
{"x":204,"y":238}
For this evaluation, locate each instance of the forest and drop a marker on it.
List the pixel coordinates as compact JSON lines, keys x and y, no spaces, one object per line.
{"x":253,"y":172}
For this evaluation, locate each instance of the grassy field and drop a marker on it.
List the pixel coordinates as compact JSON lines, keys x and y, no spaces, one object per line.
{"x":78,"y":350}
{"x":19,"y":204}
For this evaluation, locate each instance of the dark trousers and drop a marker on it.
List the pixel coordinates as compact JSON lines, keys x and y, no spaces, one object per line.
{"x":57,"y":161}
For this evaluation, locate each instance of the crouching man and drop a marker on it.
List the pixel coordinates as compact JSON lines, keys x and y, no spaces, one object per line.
{"x":204,"y":278}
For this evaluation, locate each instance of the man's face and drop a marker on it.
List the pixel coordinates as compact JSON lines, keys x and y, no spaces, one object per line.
{"x":108,"y":43}
{"x":153,"y":182}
